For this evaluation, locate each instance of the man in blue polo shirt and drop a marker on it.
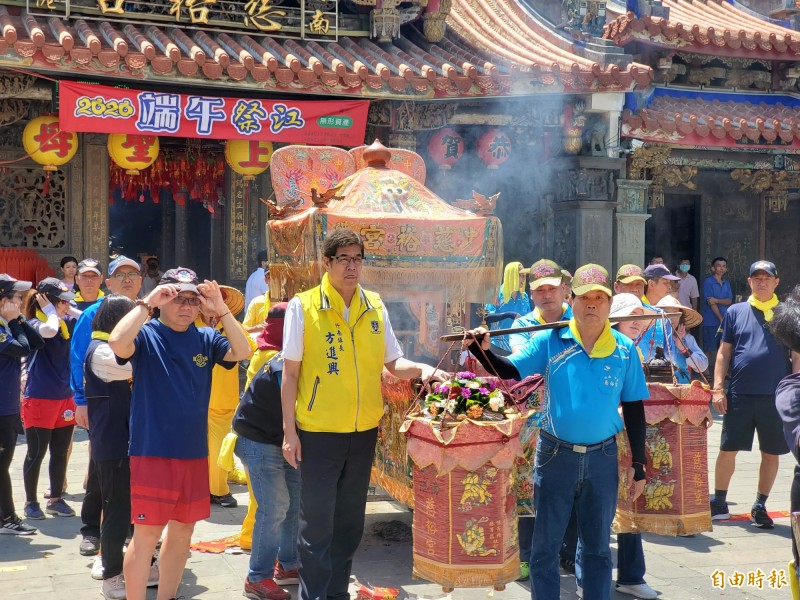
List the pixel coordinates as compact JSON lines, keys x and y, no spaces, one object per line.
{"x":547,"y":293}
{"x":125,"y":279}
{"x":717,"y":297}
{"x":589,"y":369}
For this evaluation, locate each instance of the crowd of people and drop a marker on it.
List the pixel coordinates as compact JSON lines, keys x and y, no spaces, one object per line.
{"x":751,"y":347}
{"x":151,"y":376}
{"x":148,"y":368}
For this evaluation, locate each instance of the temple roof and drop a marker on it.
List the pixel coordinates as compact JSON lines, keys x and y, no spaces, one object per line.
{"x":708,"y":27}
{"x":485,"y":52}
{"x":518,"y":41}
{"x":692,"y":118}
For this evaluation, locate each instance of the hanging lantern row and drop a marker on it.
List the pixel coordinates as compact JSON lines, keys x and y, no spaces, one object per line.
{"x":249,"y":158}
{"x":134,"y":153}
{"x":46,"y":144}
{"x":446,"y":147}
{"x":179,"y":175}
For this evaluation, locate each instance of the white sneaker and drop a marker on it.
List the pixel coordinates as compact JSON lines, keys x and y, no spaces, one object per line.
{"x":152,"y":577}
{"x":114,"y":588}
{"x":639,"y":590}
{"x":97,"y":568}
{"x":579,"y":592}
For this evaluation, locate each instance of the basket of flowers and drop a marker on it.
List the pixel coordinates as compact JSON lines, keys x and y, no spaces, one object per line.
{"x":463,"y":440}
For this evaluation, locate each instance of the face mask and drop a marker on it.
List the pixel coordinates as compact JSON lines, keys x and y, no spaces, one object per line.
{"x":685,"y":268}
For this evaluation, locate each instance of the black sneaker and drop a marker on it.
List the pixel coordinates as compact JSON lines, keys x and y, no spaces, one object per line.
{"x":13,"y":525}
{"x":567,"y":565}
{"x":90,"y":545}
{"x":719,"y":511}
{"x":228,"y":501}
{"x":760,"y":518}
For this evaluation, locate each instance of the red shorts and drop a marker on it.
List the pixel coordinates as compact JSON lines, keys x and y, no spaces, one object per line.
{"x":169,"y":489}
{"x":48,"y":414}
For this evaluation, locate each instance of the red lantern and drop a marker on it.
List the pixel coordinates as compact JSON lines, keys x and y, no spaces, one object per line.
{"x":446,"y":147}
{"x":494,"y":148}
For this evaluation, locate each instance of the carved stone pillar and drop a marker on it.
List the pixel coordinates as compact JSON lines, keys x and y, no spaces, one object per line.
{"x":629,"y":222}
{"x":218,"y":249}
{"x":237,"y":230}
{"x":167,"y":250}
{"x":95,"y":197}
{"x":582,"y":230}
{"x":181,"y":234}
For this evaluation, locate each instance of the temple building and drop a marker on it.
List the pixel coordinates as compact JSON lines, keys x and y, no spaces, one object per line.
{"x":612,"y":131}
{"x":493,"y":96}
{"x":714,"y":140}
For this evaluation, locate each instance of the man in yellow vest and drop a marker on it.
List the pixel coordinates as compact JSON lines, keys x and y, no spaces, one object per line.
{"x":337,"y":340}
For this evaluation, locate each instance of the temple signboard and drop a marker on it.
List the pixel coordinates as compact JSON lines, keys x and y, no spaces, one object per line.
{"x":308,"y":20}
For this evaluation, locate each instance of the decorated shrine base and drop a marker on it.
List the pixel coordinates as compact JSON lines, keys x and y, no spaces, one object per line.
{"x":676,"y":498}
{"x":465,"y":527}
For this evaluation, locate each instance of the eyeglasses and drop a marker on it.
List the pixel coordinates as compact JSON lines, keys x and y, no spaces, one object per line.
{"x":191,"y":301}
{"x":131,"y":276}
{"x":346,"y":260}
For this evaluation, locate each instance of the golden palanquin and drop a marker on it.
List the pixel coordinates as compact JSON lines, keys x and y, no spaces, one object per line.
{"x":675,"y":499}
{"x":426,"y":258}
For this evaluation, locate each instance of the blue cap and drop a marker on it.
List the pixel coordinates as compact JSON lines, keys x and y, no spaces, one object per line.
{"x":122,"y":261}
{"x":764,"y":265}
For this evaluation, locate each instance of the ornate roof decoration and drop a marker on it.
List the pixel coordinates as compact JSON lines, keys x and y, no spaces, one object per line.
{"x":483,"y":52}
{"x":518,"y":42}
{"x":702,"y":119}
{"x":707,"y":27}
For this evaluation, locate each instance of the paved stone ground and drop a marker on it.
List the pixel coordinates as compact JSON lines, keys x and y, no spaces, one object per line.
{"x":48,"y":564}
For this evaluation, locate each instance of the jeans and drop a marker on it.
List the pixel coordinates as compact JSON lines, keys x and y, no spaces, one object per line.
{"x":336,"y":469}
{"x":276,"y":487}
{"x":630,"y":560}
{"x":563,"y":478}
{"x":525,"y":529}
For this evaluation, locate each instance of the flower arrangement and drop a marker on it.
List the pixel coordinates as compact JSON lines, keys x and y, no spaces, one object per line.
{"x":464,"y":396}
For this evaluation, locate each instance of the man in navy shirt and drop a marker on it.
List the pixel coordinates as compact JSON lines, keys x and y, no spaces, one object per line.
{"x":757,"y":363}
{"x":172,"y":362}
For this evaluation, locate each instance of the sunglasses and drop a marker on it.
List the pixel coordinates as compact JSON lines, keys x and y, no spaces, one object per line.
{"x":182,"y":300}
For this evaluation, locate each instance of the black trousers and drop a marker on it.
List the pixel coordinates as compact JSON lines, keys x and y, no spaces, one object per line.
{"x":92,"y":506}
{"x":8,"y":442}
{"x":794,"y":506}
{"x":39,"y":440}
{"x":335,"y":471}
{"x":114,"y":482}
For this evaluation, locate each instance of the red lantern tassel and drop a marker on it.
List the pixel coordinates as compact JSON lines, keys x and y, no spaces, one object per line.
{"x":46,"y":184}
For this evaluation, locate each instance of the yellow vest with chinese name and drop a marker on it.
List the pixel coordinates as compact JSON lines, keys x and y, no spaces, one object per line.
{"x":339,"y":388}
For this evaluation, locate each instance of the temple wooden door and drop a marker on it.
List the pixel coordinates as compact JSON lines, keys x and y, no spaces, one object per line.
{"x":782,"y":244}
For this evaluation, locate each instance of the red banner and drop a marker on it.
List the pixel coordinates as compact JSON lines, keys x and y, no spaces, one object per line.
{"x":103,"y":109}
